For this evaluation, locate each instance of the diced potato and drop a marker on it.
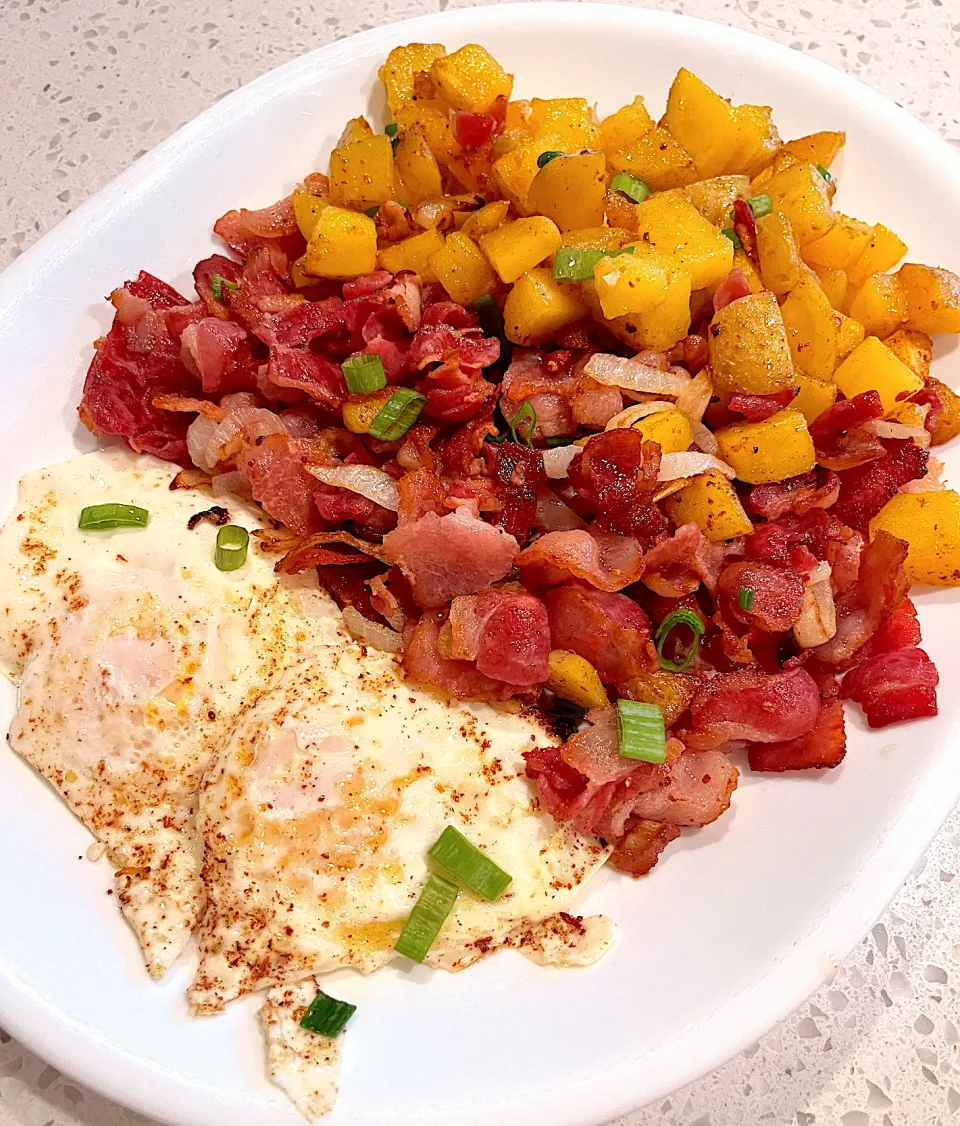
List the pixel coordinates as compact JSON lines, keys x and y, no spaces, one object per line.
{"x":573,"y":120}
{"x":403,"y":63}
{"x":947,"y":423}
{"x":462,"y":270}
{"x":306,"y":209}
{"x":834,"y":285}
{"x":669,"y":429}
{"x":619,"y":210}
{"x":636,"y":283}
{"x":714,"y":198}
{"x":671,"y":223}
{"x":516,"y":170}
{"x":772,"y":450}
{"x":361,"y":173}
{"x":781,"y":161}
{"x":343,"y":245}
{"x":814,"y":397}
{"x":471,"y":78}
{"x":710,"y":502}
{"x":487,"y":219}
{"x":749,"y":351}
{"x":801,"y":194}
{"x":663,"y":324}
{"x":880,"y":306}
{"x":573,"y":678}
{"x":913,"y":348}
{"x":930,"y":524}
{"x":538,"y":306}
{"x":781,"y":266}
{"x":702,"y":122}
{"x":434,"y":123}
{"x":871,"y":366}
{"x":742,"y":261}
{"x":882,"y":252}
{"x":658,"y":159}
{"x":672,"y":692}
{"x":355,"y":130}
{"x":850,"y":333}
{"x":757,"y":140}
{"x":517,"y":247}
{"x":570,"y":190}
{"x":358,"y":414}
{"x":416,"y":167}
{"x":844,"y":243}
{"x":625,"y":126}
{"x":413,"y":253}
{"x":811,"y":326}
{"x":817,"y":148}
{"x":598,"y":238}
{"x":933,"y":298}
{"x":907,"y":413}
{"x":518,"y":116}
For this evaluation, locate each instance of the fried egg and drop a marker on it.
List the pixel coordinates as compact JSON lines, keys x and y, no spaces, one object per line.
{"x":319,"y":811}
{"x":133,"y":656}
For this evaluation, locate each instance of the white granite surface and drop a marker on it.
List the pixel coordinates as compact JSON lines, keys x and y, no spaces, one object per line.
{"x":86,"y":86}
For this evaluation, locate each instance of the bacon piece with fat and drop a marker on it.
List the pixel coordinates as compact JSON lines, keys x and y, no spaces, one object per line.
{"x":203,"y":274}
{"x":698,"y":789}
{"x":605,"y":560}
{"x":516,"y":471}
{"x":678,"y":565}
{"x":299,"y":369}
{"x":315,"y":551}
{"x":245,"y":230}
{"x":795,"y":495}
{"x":639,"y":849}
{"x":420,"y":492}
{"x":505,"y":632}
{"x":776,"y":595}
{"x":838,"y":435}
{"x":894,"y":686}
{"x":865,"y":489}
{"x":609,"y":630}
{"x":218,"y":353}
{"x":755,"y":707}
{"x":900,"y":631}
{"x":423,"y":664}
{"x":823,"y":746}
{"x":279,"y":481}
{"x":756,"y":408}
{"x":745,"y":227}
{"x":732,"y":288}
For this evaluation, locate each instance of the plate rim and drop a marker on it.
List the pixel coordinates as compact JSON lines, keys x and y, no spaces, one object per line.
{"x":38,"y":1025}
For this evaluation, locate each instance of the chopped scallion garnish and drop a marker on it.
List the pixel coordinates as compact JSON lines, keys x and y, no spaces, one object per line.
{"x":231,"y":553}
{"x":745,"y":598}
{"x":364,"y":374}
{"x":397,"y":415}
{"x":326,"y":1015}
{"x":681,"y":617}
{"x":100,"y":517}
{"x":760,"y":205}
{"x":523,"y":423}
{"x":391,"y":129}
{"x":636,"y":189}
{"x":573,"y":263}
{"x":427,"y":917}
{"x":466,"y":864}
{"x":640,"y":731}
{"x":824,"y":173}
{"x":545,"y":157}
{"x":372,"y":211}
{"x":218,"y":283}
{"x":731,"y":234}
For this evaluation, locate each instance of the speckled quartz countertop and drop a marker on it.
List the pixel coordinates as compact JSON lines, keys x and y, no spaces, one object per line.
{"x":87,"y":86}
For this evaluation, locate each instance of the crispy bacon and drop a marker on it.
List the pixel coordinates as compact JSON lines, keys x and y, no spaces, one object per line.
{"x":776,"y":595}
{"x":602,"y":559}
{"x":639,"y":849}
{"x":423,"y":664}
{"x":756,"y":408}
{"x":745,"y":226}
{"x":274,"y":466}
{"x":794,"y":495}
{"x":678,"y":565}
{"x":900,"y":631}
{"x":753,"y":706}
{"x":617,"y":473}
{"x":865,"y":489}
{"x":732,"y":288}
{"x":299,"y":369}
{"x":203,"y":275}
{"x":218,"y":353}
{"x":696,"y":353}
{"x":838,"y":435}
{"x":309,"y":320}
{"x":608,"y":630}
{"x":894,"y":686}
{"x":420,"y":492}
{"x":245,"y":230}
{"x":698,"y":789}
{"x":314,"y":551}
{"x":505,"y":632}
{"x":823,"y":746}
{"x":516,"y":472}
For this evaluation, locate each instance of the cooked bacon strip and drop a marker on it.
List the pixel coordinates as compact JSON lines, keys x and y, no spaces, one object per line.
{"x":603,"y":559}
{"x":697,"y":791}
{"x":203,"y":274}
{"x":838,"y":435}
{"x":215,"y":351}
{"x":894,"y":686}
{"x":516,"y":473}
{"x":318,"y":378}
{"x":275,"y":468}
{"x":797,"y":495}
{"x":244,"y":230}
{"x":420,"y":492}
{"x":205,"y":407}
{"x":864,"y":490}
{"x":756,"y":408}
{"x":505,"y":632}
{"x":678,"y":565}
{"x":608,"y":630}
{"x":423,"y":664}
{"x":639,"y":850}
{"x":900,"y":631}
{"x":777,"y":595}
{"x":732,"y":288}
{"x":753,"y":706}
{"x":745,"y":226}
{"x":595,"y":751}
{"x":311,"y":551}
{"x":822,"y":747}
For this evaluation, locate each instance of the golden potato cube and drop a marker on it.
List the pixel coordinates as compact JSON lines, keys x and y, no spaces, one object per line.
{"x":781,"y":266}
{"x":947,"y":423}
{"x":435,"y":125}
{"x":714,"y":198}
{"x":801,"y":194}
{"x":882,"y":252}
{"x":669,"y":429}
{"x":757,"y":140}
{"x":749,"y":351}
{"x":573,"y":120}
{"x":817,"y":148}
{"x":674,"y":226}
{"x":850,"y":333}
{"x":416,"y":167}
{"x":517,"y":247}
{"x":811,"y":326}
{"x":913,"y":348}
{"x":343,"y":245}
{"x":538,"y":306}
{"x":598,"y":238}
{"x":670,"y":691}
{"x":487,"y":219}
{"x":880,"y":306}
{"x":402,"y":65}
{"x":361,"y":173}
{"x":471,"y":79}
{"x":306,"y":210}
{"x":844,"y":243}
{"x":933,"y":298}
{"x":871,"y":366}
{"x":355,"y":130}
{"x":772,"y":450}
{"x":516,"y":170}
{"x":413,"y":253}
{"x":570,"y":190}
{"x":573,"y":678}
{"x":658,"y":159}
{"x":462,"y":270}
{"x":710,"y":502}
{"x":930,"y":524}
{"x":636,"y":283}
{"x":664,"y":321}
{"x":780,"y":162}
{"x":834,"y":285}
{"x":625,"y":126}
{"x":814,"y":397}
{"x":702,"y":122}
{"x":742,"y":261}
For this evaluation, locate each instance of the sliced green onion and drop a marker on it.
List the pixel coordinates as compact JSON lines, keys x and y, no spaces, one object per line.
{"x":98,"y":517}
{"x":640,"y":731}
{"x":397,"y":415}
{"x":824,"y":173}
{"x":218,"y":283}
{"x":745,"y":598}
{"x":363,"y":374}
{"x":466,"y":864}
{"x":572,"y":263}
{"x":327,"y":1015}
{"x":732,"y":235}
{"x":562,"y":440}
{"x":636,"y":189}
{"x":545,"y":157}
{"x":427,"y":917}
{"x":231,"y":553}
{"x":760,"y":205}
{"x":681,"y":617}
{"x":523,"y":423}
{"x":372,"y":211}
{"x":391,"y":129}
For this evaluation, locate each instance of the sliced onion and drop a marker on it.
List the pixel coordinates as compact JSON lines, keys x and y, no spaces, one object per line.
{"x":556,"y":462}
{"x":190,"y":479}
{"x":818,"y":619}
{"x":704,"y":438}
{"x":691,"y":464}
{"x":930,"y":482}
{"x":371,"y":633}
{"x":553,"y":515}
{"x":366,"y":480}
{"x":695,"y":397}
{"x":615,"y":371}
{"x":231,"y":484}
{"x":625,"y":419}
{"x":883,"y":428}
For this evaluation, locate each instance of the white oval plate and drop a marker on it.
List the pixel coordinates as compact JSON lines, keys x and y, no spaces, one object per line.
{"x":740,"y":921}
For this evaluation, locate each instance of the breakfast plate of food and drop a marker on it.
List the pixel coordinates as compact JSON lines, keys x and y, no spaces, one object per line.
{"x":481,"y":580}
